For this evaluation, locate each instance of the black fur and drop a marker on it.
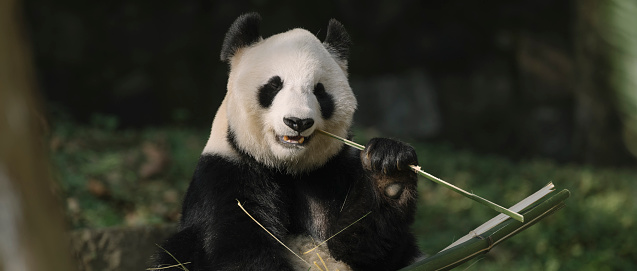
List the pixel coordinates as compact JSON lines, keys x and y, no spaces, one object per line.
{"x":215,"y":234}
{"x":232,"y":139}
{"x":325,"y":101}
{"x":243,"y":32}
{"x":337,"y":41}
{"x":268,"y":91}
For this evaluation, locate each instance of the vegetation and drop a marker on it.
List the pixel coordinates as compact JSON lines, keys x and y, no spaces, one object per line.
{"x":593,"y":232}
{"x":112,"y":177}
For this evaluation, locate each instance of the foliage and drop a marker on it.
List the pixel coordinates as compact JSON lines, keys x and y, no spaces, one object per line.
{"x":123,"y":177}
{"x":593,"y":232}
{"x":107,"y":178}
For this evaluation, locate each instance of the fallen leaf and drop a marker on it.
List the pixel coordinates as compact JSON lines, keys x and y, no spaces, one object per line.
{"x":97,"y":188}
{"x":156,"y":160}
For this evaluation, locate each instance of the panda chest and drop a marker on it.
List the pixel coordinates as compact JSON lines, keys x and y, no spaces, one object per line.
{"x":317,"y":220}
{"x":317,"y":205}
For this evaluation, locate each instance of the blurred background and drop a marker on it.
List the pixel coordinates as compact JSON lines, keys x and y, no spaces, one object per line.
{"x":521,"y":78}
{"x":499,"y":98}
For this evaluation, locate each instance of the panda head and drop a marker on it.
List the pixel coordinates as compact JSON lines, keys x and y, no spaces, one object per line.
{"x":281,"y":90}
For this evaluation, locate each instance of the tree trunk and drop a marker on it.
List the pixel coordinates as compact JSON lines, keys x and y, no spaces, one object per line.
{"x":31,"y":219}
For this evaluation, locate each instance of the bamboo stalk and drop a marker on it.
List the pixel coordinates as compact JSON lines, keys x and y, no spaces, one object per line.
{"x":501,"y":217}
{"x":481,"y":244}
{"x":456,"y":189}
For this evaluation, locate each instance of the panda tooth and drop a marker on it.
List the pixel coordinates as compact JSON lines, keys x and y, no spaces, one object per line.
{"x":301,"y":140}
{"x":286,"y":138}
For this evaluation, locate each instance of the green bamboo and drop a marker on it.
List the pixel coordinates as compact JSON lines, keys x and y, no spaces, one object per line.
{"x":481,"y":244}
{"x":417,"y":169}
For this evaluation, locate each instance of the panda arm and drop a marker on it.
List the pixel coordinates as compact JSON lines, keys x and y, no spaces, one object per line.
{"x":228,"y":238}
{"x":386,"y":187}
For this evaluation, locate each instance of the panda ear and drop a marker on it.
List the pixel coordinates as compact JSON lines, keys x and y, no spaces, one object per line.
{"x":337,"y":41}
{"x":242,"y":33}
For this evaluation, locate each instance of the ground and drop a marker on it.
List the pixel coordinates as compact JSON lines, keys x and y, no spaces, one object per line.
{"x":119,"y":177}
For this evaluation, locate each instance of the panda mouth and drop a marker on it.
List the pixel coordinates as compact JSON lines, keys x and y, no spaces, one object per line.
{"x":297,"y":140}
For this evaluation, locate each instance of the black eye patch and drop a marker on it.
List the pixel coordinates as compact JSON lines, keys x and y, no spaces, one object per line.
{"x":268,"y":91}
{"x":325,"y":101}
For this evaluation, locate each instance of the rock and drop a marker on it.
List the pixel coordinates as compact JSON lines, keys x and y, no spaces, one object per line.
{"x":118,"y":248}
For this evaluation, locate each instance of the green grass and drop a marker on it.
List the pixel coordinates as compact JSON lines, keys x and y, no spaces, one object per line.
{"x":100,"y":171}
{"x":111,"y":177}
{"x":595,"y":231}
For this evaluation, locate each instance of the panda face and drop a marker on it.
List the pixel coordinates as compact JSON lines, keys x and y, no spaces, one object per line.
{"x":280,"y":90}
{"x":301,"y":124}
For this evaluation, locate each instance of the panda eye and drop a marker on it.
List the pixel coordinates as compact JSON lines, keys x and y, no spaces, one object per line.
{"x":319,"y":89}
{"x":325,"y":101}
{"x":268,"y":91}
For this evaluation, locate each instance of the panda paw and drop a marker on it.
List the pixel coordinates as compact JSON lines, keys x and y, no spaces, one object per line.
{"x":389,"y":163}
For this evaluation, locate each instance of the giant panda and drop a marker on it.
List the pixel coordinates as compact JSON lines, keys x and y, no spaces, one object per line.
{"x":264,"y":152}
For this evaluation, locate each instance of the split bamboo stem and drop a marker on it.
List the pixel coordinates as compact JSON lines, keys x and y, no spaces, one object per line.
{"x":481,"y":244}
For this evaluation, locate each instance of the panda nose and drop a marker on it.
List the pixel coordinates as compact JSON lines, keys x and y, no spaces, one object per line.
{"x":297,"y":124}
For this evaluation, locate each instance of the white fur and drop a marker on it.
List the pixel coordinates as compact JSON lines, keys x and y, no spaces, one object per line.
{"x":301,"y":244}
{"x":301,"y":61}
{"x":217,"y":143}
